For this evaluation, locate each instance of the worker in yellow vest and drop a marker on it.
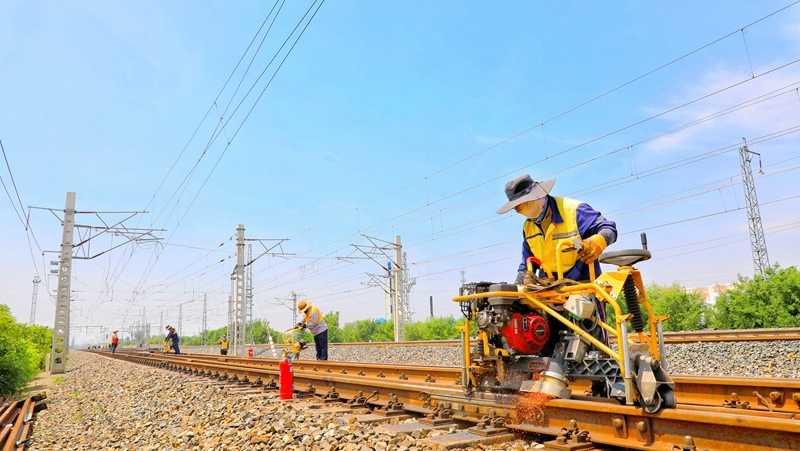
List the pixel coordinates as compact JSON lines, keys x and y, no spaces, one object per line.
{"x":313,"y":321}
{"x":223,"y":345}
{"x":551,"y":219}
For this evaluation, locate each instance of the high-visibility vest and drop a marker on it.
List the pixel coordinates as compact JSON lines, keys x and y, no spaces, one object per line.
{"x":114,"y":339}
{"x":317,"y":327}
{"x":543,"y":245}
{"x":224,"y":344}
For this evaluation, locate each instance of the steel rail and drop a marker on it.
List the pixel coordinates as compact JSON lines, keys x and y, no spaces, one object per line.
{"x":17,"y":437}
{"x":6,"y":421}
{"x":705,"y":336}
{"x":747,"y":394}
{"x":609,"y":423}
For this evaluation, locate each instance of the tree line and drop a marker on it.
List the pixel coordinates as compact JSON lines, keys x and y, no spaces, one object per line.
{"x":752,"y":303}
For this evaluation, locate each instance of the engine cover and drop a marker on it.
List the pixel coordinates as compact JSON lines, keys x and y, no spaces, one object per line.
{"x":526,"y":334}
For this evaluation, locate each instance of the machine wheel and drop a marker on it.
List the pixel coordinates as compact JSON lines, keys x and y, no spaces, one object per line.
{"x":668,"y":399}
{"x":652,"y":408}
{"x":467,"y":390}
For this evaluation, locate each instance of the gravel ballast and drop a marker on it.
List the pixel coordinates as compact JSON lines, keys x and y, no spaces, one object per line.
{"x":108,"y":404}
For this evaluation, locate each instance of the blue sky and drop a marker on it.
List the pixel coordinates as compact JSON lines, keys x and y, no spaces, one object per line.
{"x":387,"y":118}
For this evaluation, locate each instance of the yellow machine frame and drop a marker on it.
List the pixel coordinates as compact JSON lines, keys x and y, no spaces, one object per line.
{"x":606,"y":288}
{"x":292,"y":348}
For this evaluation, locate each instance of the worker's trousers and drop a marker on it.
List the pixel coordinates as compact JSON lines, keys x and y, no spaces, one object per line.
{"x":321,"y":345}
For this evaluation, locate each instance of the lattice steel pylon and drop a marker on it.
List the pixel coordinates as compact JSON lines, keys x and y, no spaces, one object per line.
{"x":36,"y":282}
{"x":758,"y":243}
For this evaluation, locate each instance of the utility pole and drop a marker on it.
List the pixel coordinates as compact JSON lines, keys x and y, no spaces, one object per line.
{"x":205,"y":323}
{"x":406,"y":283}
{"x":249,"y":291}
{"x":58,"y":363}
{"x":144,"y":330}
{"x":389,"y":289}
{"x":431,"y":307}
{"x":36,"y":282}
{"x":294,"y":308}
{"x":758,"y":243}
{"x":180,"y":318}
{"x":398,"y":304}
{"x":239,"y":331}
{"x":399,"y":288}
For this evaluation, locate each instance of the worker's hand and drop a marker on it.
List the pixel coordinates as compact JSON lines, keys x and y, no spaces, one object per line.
{"x":301,"y":325}
{"x":591,"y":248}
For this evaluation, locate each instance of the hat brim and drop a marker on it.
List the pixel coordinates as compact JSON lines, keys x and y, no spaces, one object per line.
{"x":541,"y":190}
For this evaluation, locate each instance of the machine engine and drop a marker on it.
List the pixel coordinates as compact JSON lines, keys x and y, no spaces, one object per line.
{"x":541,"y":341}
{"x":526,"y":334}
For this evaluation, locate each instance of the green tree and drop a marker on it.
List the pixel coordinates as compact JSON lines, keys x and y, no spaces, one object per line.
{"x":441,"y":328}
{"x":335,"y":333}
{"x":687,"y":309}
{"x":773,"y":301}
{"x":22,"y":350}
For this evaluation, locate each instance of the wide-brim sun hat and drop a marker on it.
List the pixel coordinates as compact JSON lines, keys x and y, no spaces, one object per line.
{"x":302,"y":306}
{"x":523,"y":189}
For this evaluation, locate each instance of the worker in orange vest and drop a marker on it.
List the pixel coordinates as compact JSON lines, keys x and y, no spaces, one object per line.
{"x":114,"y":342}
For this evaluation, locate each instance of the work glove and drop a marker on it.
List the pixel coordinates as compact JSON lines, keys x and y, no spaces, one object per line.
{"x":591,"y":248}
{"x":301,"y":325}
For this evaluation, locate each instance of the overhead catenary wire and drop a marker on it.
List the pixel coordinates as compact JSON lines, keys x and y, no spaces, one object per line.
{"x":326,"y":254}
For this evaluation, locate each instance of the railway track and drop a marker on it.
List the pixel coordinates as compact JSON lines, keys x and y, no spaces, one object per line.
{"x":713,"y":413}
{"x":669,"y":337}
{"x":15,"y":422}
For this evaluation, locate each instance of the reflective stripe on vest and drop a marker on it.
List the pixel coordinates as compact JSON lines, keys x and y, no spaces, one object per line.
{"x":544,"y":246}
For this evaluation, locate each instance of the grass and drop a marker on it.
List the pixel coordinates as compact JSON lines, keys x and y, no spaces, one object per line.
{"x":77,"y":417}
{"x":58,"y":380}
{"x":76,"y":394}
{"x":97,"y":408}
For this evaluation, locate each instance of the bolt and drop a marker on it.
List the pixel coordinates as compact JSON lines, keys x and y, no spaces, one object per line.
{"x":648,"y":401}
{"x":796,"y":398}
{"x":776,"y":396}
{"x":688,"y":443}
{"x":641,"y":426}
{"x":561,"y":440}
{"x":618,"y":423}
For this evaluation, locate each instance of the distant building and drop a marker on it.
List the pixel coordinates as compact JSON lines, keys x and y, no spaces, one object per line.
{"x":711,"y":293}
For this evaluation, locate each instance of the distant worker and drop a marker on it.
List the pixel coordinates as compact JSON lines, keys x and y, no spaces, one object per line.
{"x":172,"y":334}
{"x":223,"y":345}
{"x":313,"y":321}
{"x":551,"y":219}
{"x":114,"y":342}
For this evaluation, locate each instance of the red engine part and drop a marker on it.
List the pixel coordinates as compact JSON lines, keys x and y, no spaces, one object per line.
{"x":526,"y":334}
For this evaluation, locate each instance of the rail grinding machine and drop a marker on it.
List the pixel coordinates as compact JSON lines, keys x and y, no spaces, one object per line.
{"x":539,"y":337}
